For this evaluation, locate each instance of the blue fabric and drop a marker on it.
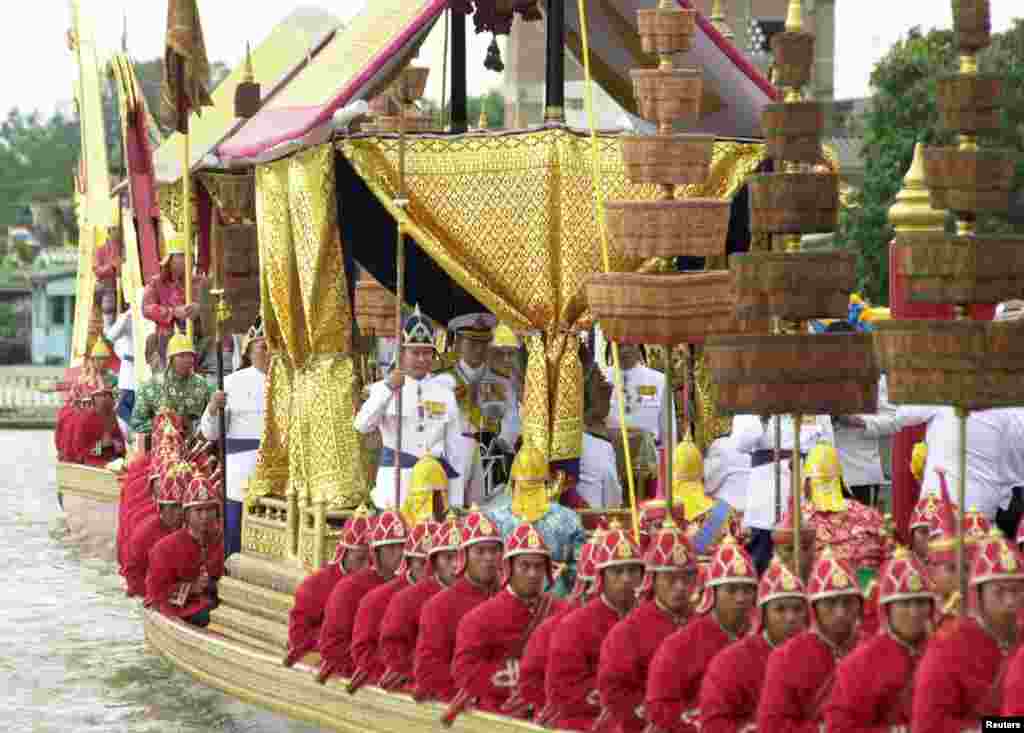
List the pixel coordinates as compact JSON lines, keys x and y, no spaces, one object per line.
{"x":408,"y":460}
{"x":712,"y":526}
{"x":241,"y":445}
{"x":126,"y":404}
{"x":560,"y":528}
{"x":233,"y":538}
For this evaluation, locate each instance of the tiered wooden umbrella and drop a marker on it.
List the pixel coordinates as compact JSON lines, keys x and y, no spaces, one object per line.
{"x":672,"y":308}
{"x":799,"y":373}
{"x":971,"y":365}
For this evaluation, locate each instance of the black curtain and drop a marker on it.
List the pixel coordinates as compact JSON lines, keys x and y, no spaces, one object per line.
{"x":369,"y":233}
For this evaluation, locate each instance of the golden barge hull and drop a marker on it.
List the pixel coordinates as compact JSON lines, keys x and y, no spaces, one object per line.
{"x":258,"y":677}
{"x":90,"y":498}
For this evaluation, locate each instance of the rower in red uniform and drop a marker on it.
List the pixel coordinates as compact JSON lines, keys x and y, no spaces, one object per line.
{"x":673,"y":684}
{"x":387,"y":545}
{"x":528,"y":699}
{"x":874,"y":685}
{"x":491,"y":638}
{"x":185,"y":566}
{"x":1013,"y":689}
{"x":627,"y":651}
{"x":961,"y":677}
{"x":153,"y":529}
{"x":369,"y":664}
{"x":477,"y":573}
{"x":732,"y":683}
{"x":400,"y":627}
{"x":307,"y":614}
{"x":573,"y":702}
{"x":800,"y":673}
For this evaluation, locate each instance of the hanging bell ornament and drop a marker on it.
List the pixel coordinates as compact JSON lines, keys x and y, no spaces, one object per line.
{"x":247,"y":93}
{"x":493,"y":61}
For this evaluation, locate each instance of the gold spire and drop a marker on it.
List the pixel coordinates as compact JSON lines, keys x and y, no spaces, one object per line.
{"x":248,"y":74}
{"x":483,"y":123}
{"x":912,"y":211}
{"x":718,"y":20}
{"x":794,"y":17}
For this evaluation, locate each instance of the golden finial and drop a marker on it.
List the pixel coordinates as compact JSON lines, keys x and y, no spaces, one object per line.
{"x":614,"y":525}
{"x":795,"y":17}
{"x":718,"y":20}
{"x":912,"y":210}
{"x":900,"y":553}
{"x":483,"y":123}
{"x":248,"y":74}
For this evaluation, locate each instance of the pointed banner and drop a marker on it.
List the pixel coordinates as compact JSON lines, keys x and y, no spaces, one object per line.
{"x":186,"y":68}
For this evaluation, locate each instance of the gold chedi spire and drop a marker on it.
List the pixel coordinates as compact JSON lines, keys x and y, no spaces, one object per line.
{"x":795,"y":17}
{"x":912,"y":210}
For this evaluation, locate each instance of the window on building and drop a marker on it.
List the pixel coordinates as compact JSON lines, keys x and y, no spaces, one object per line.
{"x":57,"y":314}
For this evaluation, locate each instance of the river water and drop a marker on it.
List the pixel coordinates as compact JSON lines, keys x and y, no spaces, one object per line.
{"x":72,"y":653}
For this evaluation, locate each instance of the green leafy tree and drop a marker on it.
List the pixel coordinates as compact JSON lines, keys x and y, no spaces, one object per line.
{"x":904,"y":111}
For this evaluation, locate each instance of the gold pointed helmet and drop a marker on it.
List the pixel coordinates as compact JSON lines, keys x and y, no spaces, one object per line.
{"x":180,"y":343}
{"x":174,"y":244}
{"x":504,"y":338}
{"x":825,"y":474}
{"x":100,"y":350}
{"x":688,"y":462}
{"x":530,"y":465}
{"x":428,"y":475}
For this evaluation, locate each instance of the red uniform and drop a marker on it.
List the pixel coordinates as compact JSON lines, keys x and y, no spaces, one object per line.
{"x":339,"y":620}
{"x":1013,"y":689}
{"x":798,"y":679}
{"x":162,"y":296}
{"x":96,"y":439}
{"x":175,"y":565}
{"x":435,"y":646}
{"x":960,"y":679}
{"x":571,"y":681}
{"x":874,"y":687}
{"x":625,"y":657}
{"x":673,"y":684}
{"x":307,"y":614}
{"x":144,"y":508}
{"x":529,"y":693}
{"x":400,"y":626}
{"x":366,"y":632}
{"x":145,"y":537}
{"x":489,"y":643}
{"x":732,"y":685}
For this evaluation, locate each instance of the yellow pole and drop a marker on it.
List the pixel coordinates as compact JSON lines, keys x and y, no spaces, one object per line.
{"x":795,"y":489}
{"x":186,"y":194}
{"x":961,"y":549}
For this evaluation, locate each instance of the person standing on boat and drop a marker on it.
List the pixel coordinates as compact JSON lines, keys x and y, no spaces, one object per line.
{"x":960,"y":680}
{"x":400,"y":627}
{"x":484,"y":398}
{"x":503,"y":358}
{"x":646,"y":395}
{"x":800,"y":673}
{"x":491,"y":638}
{"x":178,"y":389}
{"x":243,"y":403}
{"x":678,"y":667}
{"x":709,"y":520}
{"x":369,"y":664}
{"x":387,"y":546}
{"x":307,"y":613}
{"x":570,"y":686}
{"x":185,"y":566}
{"x":529,"y":500}
{"x":598,"y":485}
{"x":627,"y":651}
{"x":151,"y":530}
{"x":529,"y":697}
{"x":163,"y":300}
{"x":117,"y":329}
{"x":732,"y":684}
{"x":875,"y":685}
{"x":477,"y":571}
{"x":429,"y":422}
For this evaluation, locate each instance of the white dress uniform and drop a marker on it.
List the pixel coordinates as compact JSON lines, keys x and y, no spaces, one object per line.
{"x":858,"y":453}
{"x":430,"y":424}
{"x":645,"y":400}
{"x":118,"y":331}
{"x":495,"y":398}
{"x":989,"y":481}
{"x":751,"y":436}
{"x":598,"y":483}
{"x":244,"y":415}
{"x":727,"y":472}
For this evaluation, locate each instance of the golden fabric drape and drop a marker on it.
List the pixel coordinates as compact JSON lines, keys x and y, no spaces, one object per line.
{"x":510,"y":218}
{"x":309,"y":443}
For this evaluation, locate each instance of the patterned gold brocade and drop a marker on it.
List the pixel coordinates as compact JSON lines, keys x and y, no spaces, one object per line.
{"x":509,"y":217}
{"x":309,"y":443}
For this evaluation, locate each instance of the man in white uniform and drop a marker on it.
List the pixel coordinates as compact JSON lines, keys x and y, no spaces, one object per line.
{"x":756,"y":436}
{"x":503,"y":359}
{"x":117,"y":328}
{"x":484,"y":397}
{"x":429,"y":422}
{"x":243,"y":403}
{"x":598,"y":484}
{"x":645,"y":393}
